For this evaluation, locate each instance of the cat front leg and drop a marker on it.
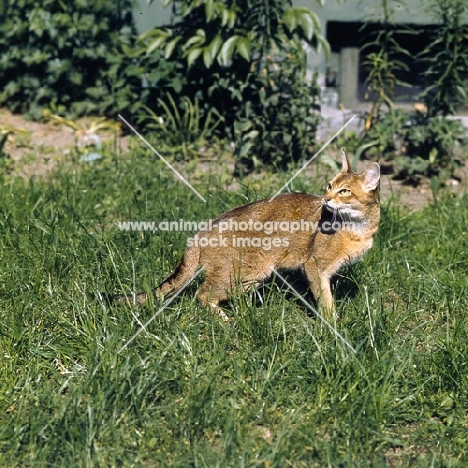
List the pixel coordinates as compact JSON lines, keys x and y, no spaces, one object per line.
{"x":325,"y":298}
{"x":319,"y":283}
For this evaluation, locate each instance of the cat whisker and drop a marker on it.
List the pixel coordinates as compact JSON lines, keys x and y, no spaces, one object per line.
{"x":320,"y":207}
{"x":338,"y":213}
{"x":342,"y":214}
{"x":335,"y":210}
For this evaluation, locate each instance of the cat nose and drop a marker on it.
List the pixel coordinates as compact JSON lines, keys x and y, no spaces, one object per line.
{"x":326,"y":199}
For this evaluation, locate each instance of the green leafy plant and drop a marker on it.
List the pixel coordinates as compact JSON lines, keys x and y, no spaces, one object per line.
{"x":433,"y":142}
{"x":75,"y":57}
{"x":9,"y":134}
{"x":5,"y":159}
{"x":424,"y":141}
{"x":4,"y":133}
{"x":348,"y":139}
{"x":245,"y":59}
{"x":417,"y":143}
{"x":278,"y":128}
{"x":446,"y":58}
{"x":183,"y":130}
{"x":95,"y":126}
{"x":382,"y":138}
{"x":383,"y":63}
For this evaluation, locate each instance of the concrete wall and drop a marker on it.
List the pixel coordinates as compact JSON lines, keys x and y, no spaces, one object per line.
{"x":359,"y":10}
{"x":147,"y":17}
{"x":409,"y":11}
{"x":345,"y":62}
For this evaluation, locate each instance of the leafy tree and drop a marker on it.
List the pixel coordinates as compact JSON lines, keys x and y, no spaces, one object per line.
{"x":245,"y":59}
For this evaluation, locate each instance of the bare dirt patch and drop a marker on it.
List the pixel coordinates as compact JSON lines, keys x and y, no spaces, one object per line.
{"x":416,"y":197}
{"x":38,"y":147}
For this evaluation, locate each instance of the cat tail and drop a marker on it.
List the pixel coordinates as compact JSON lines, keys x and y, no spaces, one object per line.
{"x":183,"y":272}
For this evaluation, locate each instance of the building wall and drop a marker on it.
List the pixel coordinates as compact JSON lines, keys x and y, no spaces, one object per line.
{"x":361,"y":10}
{"x":147,"y":17}
{"x":409,"y":11}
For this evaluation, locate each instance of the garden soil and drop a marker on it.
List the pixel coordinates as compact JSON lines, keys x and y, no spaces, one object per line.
{"x":37,"y":147}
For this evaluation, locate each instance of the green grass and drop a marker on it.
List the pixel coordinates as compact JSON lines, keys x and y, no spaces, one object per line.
{"x":273,"y":388}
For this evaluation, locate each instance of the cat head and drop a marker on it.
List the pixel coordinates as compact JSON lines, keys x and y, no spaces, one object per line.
{"x":350,"y":193}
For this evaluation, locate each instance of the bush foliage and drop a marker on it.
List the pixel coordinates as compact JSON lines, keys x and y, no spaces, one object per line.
{"x":240,"y":64}
{"x":425,"y":141}
{"x":446,"y":58}
{"x":245,"y":60}
{"x":74,"y":57}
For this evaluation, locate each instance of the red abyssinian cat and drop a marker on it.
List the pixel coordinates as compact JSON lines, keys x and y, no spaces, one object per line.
{"x":317,"y":234}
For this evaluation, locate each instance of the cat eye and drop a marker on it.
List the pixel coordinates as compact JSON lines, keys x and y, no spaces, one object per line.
{"x":329,"y":187}
{"x":344,"y":192}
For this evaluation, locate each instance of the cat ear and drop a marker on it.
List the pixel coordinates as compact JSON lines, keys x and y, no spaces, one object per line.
{"x":371,"y":177}
{"x":346,"y":167}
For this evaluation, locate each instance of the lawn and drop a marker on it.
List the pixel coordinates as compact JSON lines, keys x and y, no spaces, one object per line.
{"x":271,"y":388}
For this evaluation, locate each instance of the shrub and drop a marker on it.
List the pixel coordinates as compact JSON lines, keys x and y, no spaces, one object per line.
{"x":382,"y":138}
{"x":446,"y":58}
{"x":424,"y":141}
{"x":245,"y":59}
{"x":383,"y":63}
{"x":417,"y":142}
{"x":75,"y":57}
{"x":277,"y":123}
{"x":431,"y":145}
{"x":181,"y":129}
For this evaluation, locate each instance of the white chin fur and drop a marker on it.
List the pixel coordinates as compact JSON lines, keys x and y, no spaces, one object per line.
{"x":346,"y":212}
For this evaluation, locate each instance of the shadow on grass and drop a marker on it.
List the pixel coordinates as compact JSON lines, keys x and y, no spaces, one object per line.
{"x":343,"y":286}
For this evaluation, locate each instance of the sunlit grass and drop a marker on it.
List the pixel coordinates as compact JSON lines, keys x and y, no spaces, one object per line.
{"x":271,"y":388}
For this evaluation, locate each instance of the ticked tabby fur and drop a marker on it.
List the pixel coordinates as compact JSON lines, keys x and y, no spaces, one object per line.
{"x":351,"y":199}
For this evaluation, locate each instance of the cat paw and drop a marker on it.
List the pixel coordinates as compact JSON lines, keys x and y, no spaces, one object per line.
{"x":216,"y":310}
